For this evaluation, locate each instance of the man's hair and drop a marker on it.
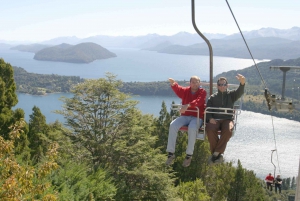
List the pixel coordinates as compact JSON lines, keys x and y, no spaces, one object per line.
{"x":222,"y":78}
{"x":195,"y":77}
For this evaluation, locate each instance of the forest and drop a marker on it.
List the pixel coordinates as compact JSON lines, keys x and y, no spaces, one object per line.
{"x":109,"y":150}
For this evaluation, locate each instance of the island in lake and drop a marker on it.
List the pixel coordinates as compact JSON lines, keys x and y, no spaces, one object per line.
{"x":81,"y":53}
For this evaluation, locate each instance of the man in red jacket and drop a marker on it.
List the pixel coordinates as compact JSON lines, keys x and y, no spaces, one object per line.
{"x":192,"y":97}
{"x":269,"y":181}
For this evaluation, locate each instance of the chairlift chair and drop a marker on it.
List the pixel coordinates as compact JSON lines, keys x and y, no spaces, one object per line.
{"x":235,"y":111}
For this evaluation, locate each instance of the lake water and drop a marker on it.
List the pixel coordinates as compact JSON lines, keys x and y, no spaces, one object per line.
{"x":131,"y":65}
{"x":254,"y":139}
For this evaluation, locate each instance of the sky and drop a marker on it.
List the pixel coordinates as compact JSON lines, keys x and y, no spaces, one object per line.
{"x":39,"y":20}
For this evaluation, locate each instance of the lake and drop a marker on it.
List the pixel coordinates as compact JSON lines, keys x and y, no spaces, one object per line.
{"x":254,"y":138}
{"x":131,"y":65}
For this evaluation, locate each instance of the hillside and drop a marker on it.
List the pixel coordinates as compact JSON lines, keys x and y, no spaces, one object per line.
{"x":261,"y":48}
{"x":30,"y":48}
{"x":81,"y":53}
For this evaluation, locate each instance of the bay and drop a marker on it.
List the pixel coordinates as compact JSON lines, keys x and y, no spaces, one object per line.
{"x":251,"y":144}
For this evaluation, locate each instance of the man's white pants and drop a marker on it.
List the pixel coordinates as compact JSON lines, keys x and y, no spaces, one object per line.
{"x":176,"y":124}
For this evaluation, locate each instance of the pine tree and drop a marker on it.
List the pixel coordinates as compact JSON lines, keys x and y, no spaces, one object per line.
{"x":288,"y":183}
{"x":293,"y":184}
{"x":139,"y":167}
{"x":37,"y":134}
{"x":245,"y":186}
{"x":162,"y":128}
{"x":8,"y":117}
{"x":8,"y":99}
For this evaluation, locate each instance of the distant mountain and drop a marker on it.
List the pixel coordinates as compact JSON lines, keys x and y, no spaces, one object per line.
{"x":81,"y":53}
{"x":291,"y":34}
{"x":30,"y":48}
{"x":181,"y":38}
{"x":261,"y":48}
{"x":5,"y":46}
{"x":146,"y":41}
{"x":73,"y":40}
{"x":160,"y":46}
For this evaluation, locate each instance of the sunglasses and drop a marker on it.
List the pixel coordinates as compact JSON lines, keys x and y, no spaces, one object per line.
{"x":224,"y":85}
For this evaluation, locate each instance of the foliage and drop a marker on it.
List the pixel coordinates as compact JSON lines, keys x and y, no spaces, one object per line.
{"x":106,"y":123}
{"x":24,"y":182}
{"x":37,"y":134}
{"x":96,"y":114}
{"x":193,"y":190}
{"x":76,"y":181}
{"x":8,"y":99}
{"x":245,"y":186}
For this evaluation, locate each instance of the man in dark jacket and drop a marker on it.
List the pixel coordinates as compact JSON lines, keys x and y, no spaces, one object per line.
{"x":278,"y":182}
{"x":223,"y":99}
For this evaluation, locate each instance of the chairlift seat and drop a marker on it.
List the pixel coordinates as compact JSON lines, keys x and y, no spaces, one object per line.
{"x":201,"y":133}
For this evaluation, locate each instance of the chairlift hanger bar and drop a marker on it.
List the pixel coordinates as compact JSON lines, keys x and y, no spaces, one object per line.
{"x":209,"y":46}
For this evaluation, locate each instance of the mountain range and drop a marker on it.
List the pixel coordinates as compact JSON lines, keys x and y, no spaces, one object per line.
{"x":265,"y":43}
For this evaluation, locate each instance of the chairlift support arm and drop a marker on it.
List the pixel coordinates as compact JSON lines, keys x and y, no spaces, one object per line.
{"x":209,"y":46}
{"x":272,"y":161}
{"x":284,"y":69}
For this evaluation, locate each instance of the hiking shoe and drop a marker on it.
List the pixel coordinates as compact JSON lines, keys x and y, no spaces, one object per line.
{"x":187,"y":161}
{"x":215,"y":159}
{"x":170,"y":159}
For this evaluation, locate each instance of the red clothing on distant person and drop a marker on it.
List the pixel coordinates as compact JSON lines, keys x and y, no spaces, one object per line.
{"x":196,"y":99}
{"x":269,"y":178}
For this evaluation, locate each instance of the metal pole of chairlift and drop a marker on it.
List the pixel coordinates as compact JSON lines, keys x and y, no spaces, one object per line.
{"x":209,"y":46}
{"x":298,"y":184}
{"x":272,"y":161}
{"x":284,"y":69}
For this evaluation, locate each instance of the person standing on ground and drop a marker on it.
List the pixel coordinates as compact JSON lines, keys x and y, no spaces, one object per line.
{"x":192,"y":96}
{"x":278,"y":182}
{"x":269,"y":181}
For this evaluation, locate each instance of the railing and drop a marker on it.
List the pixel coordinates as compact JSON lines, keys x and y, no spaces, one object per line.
{"x":213,"y":110}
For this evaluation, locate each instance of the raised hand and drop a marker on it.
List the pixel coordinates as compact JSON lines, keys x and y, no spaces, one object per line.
{"x":241,"y":78}
{"x":172,"y":81}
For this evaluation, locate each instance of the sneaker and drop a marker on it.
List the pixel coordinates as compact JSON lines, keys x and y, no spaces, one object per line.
{"x":187,"y":161}
{"x":215,"y":159}
{"x":170,"y":159}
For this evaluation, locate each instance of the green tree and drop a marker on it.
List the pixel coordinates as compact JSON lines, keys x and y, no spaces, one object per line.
{"x":95,"y":115}
{"x":162,"y":124}
{"x":218,"y":180}
{"x":245,"y":186}
{"x":37,"y":134}
{"x":106,"y":123}
{"x":139,"y":167}
{"x":287,"y":183}
{"x":76,"y":181}
{"x":293,"y":184}
{"x":24,"y":182}
{"x":8,"y":99}
{"x":193,"y":190}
